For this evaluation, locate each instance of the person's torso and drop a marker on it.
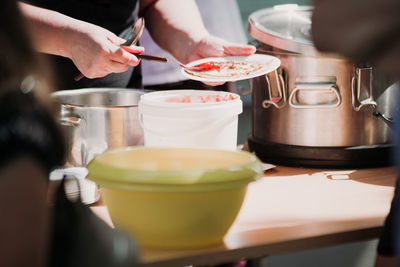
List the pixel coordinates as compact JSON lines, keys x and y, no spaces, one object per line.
{"x":114,"y":15}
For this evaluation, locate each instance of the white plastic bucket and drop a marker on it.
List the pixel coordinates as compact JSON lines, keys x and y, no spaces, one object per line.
{"x":190,"y":118}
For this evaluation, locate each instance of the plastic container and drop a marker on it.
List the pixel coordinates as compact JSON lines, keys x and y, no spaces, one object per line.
{"x":174,"y":197}
{"x":190,"y":118}
{"x":87,"y":190}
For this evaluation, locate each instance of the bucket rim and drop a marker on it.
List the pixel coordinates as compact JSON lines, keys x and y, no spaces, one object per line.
{"x":187,"y":110}
{"x":150,"y":99}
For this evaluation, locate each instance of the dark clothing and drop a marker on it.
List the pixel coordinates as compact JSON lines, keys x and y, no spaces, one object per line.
{"x":389,"y":242}
{"x":79,"y":237}
{"x":113,"y":15}
{"x":27,"y":128}
{"x":386,"y":245}
{"x":116,"y":16}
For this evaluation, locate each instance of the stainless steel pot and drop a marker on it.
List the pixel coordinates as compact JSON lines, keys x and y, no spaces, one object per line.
{"x":314,"y":100}
{"x":97,"y":119}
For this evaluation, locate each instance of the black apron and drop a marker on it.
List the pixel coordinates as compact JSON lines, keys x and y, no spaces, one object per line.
{"x":115,"y":15}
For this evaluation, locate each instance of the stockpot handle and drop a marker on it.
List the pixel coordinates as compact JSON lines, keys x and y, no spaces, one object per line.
{"x":278,"y":101}
{"x":315,"y":87}
{"x":70,"y":121}
{"x":388,"y":120}
{"x":67,"y":118}
{"x":362,"y":82}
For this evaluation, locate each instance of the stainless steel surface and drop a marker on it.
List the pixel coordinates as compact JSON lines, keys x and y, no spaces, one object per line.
{"x":276,"y":90}
{"x":315,"y":95}
{"x":97,"y":119}
{"x":320,"y":110}
{"x":314,"y":99}
{"x":362,"y":89}
{"x":286,"y":27}
{"x":137,"y":31}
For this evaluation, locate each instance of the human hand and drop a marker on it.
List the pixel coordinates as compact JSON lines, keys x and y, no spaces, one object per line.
{"x":96,"y":52}
{"x":211,"y":46}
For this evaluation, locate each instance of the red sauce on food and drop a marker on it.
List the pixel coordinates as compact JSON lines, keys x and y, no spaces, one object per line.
{"x":201,"y":99}
{"x":209,"y":66}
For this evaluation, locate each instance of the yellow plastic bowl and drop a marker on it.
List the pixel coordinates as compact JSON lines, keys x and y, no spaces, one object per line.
{"x":174,"y":197}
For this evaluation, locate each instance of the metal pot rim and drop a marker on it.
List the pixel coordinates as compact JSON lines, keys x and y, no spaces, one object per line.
{"x":274,"y":38}
{"x":86,"y":97}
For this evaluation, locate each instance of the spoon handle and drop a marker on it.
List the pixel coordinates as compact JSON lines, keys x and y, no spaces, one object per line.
{"x":78,"y":77}
{"x":151,"y":57}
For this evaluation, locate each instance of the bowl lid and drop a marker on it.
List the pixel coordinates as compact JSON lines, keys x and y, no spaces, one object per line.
{"x":133,"y":167}
{"x":287,"y":27}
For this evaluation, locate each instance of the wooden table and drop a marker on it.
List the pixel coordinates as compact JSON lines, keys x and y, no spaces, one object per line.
{"x":293,"y":209}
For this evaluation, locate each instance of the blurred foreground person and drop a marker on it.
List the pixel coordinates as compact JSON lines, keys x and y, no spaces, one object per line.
{"x":367,"y":31}
{"x":30,"y":144}
{"x":32,"y":233}
{"x":361,"y":30}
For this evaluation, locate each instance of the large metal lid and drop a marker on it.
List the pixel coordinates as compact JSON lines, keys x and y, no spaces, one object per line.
{"x":287,"y":27}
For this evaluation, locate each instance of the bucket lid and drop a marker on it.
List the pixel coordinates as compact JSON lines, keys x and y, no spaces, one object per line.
{"x":190,"y":103}
{"x":173,"y":169}
{"x":287,"y":27}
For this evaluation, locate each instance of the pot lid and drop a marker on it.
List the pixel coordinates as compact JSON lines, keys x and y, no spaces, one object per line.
{"x":287,"y":27}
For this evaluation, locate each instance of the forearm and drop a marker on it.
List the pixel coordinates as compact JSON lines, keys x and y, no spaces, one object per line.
{"x":95,"y":51}
{"x":48,"y":29}
{"x":180,"y":18}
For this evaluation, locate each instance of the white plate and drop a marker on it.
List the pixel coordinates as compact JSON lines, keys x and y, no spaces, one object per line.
{"x":270,"y":63}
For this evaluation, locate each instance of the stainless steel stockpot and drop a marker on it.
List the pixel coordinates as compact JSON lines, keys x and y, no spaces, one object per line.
{"x":314,"y":101}
{"x":98,"y":119}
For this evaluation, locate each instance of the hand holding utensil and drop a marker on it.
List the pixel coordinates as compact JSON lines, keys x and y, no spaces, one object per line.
{"x":133,"y":38}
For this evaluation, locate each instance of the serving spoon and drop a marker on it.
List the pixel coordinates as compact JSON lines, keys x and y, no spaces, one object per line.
{"x":165,"y":59}
{"x":137,"y":31}
{"x":133,"y":38}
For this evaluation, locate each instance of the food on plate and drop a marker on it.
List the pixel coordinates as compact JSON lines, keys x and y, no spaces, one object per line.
{"x":222,"y":69}
{"x":206,"y":66}
{"x":201,"y":98}
{"x":231,"y":68}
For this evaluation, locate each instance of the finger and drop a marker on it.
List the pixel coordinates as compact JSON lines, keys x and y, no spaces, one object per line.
{"x":214,"y":83}
{"x":133,"y":49}
{"x":239,"y":50}
{"x":115,"y":39}
{"x":123,"y":57}
{"x":117,"y":67}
